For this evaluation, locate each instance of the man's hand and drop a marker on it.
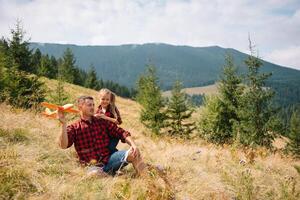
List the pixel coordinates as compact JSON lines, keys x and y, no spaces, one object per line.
{"x":63,"y":137}
{"x":61,"y":116}
{"x":135,"y":151}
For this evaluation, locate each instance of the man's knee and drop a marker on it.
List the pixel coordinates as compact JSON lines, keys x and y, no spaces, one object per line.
{"x":131,"y":157}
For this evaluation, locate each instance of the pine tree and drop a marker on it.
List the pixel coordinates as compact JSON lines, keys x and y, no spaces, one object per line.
{"x":230,"y":94}
{"x":23,"y":90}
{"x":294,"y":144}
{"x":178,"y":113}
{"x":54,"y":67}
{"x":220,"y":112}
{"x":19,"y":51}
{"x":4,"y":63}
{"x":59,"y":95}
{"x":45,"y":67}
{"x":81,"y":76}
{"x":68,"y":66}
{"x":210,"y":120}
{"x":36,"y":60}
{"x":256,"y":113}
{"x":91,"y":79}
{"x":20,"y":89}
{"x":149,"y":96}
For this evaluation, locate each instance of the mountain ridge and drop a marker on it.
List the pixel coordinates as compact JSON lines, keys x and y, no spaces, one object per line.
{"x":194,"y":66}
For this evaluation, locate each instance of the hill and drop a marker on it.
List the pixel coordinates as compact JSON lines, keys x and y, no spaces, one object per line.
{"x":195,"y":66}
{"x":208,"y":90}
{"x":33,"y":167}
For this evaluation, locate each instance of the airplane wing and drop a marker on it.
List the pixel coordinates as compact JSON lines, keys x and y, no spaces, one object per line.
{"x":67,"y":106}
{"x":50,"y":105}
{"x":56,"y":107}
{"x":53,"y":114}
{"x":71,"y":110}
{"x":49,"y":114}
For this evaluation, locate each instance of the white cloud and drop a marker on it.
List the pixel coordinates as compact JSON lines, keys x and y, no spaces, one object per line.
{"x":289,"y":55}
{"x":274,"y":25}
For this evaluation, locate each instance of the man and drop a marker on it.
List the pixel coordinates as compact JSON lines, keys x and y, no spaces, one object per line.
{"x":91,"y":137}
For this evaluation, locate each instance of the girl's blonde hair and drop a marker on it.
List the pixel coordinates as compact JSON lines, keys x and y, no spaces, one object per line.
{"x":112,"y":103}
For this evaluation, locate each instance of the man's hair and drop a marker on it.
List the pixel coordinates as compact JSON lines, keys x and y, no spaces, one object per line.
{"x":82,"y":99}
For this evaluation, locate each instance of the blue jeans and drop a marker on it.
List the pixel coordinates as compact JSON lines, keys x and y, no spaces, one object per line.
{"x":116,"y":161}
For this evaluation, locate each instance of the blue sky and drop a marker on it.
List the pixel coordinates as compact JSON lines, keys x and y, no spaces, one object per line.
{"x":274,"y":25}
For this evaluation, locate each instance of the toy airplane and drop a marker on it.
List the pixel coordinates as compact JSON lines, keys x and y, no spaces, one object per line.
{"x":53,"y":114}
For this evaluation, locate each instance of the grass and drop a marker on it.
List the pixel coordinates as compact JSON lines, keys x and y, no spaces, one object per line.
{"x":15,"y":136}
{"x":15,"y":180}
{"x":207,"y":90}
{"x":241,"y":182}
{"x":33,"y":167}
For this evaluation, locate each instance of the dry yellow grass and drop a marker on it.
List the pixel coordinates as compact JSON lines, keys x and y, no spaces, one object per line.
{"x":207,"y":90}
{"x":192,"y":169}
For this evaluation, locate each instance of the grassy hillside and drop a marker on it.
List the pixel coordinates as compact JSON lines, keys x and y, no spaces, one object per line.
{"x":208,"y":90}
{"x":33,"y":167}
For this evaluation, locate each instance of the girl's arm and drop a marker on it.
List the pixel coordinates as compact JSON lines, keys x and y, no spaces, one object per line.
{"x":111,"y":119}
{"x":103,"y":116}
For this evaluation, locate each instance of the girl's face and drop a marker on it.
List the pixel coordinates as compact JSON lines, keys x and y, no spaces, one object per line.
{"x":104,"y":100}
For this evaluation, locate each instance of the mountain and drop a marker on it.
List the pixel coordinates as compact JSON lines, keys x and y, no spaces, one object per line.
{"x":195,"y":66}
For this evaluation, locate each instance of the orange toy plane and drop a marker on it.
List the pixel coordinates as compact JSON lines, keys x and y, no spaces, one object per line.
{"x":53,"y":114}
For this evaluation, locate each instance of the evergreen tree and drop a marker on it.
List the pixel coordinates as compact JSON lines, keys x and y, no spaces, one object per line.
{"x":45,"y":67}
{"x":178,"y":113}
{"x":91,"y":79}
{"x":19,"y":88}
{"x":230,"y":94}
{"x":54,"y":67}
{"x":23,"y":90}
{"x":81,"y":76}
{"x":36,"y":60}
{"x":59,"y":95}
{"x":19,"y":51}
{"x":255,"y":113}
{"x":220,"y":112}
{"x":68,"y":66}
{"x":294,"y":144}
{"x":149,"y":96}
{"x":1,"y":82}
{"x":196,"y":99}
{"x":4,"y":63}
{"x":211,"y":119}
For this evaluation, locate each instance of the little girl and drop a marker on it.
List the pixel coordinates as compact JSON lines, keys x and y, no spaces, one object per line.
{"x":107,"y":110}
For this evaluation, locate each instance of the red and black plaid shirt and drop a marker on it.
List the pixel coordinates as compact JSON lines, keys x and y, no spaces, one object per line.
{"x":91,"y":138}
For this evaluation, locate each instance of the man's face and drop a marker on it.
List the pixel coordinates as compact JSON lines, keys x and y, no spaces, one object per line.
{"x":87,"y":107}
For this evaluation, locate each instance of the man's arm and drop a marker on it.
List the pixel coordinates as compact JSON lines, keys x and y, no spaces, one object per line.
{"x":63,"y":137}
{"x":120,"y":133}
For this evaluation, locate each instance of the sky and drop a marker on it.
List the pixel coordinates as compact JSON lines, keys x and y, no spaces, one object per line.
{"x":273,"y":25}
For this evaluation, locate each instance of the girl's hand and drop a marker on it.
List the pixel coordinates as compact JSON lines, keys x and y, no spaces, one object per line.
{"x":99,"y":116}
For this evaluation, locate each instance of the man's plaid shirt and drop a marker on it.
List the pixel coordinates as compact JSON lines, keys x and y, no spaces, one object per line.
{"x":91,"y":138}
